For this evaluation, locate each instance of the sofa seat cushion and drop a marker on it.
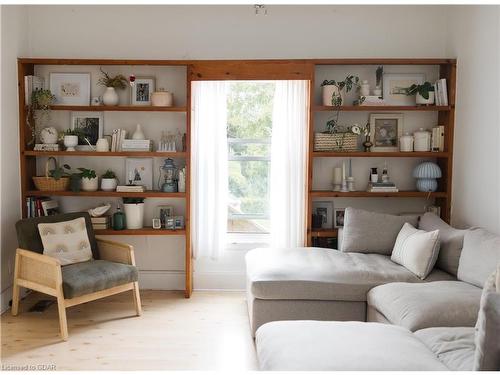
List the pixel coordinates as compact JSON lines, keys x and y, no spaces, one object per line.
{"x":329,"y":346}
{"x":89,"y":277}
{"x":322,"y":274}
{"x":454,"y":346}
{"x":435,"y":304}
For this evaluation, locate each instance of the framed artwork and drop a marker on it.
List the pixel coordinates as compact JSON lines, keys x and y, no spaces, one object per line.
{"x":338,"y":217}
{"x":139,"y":171}
{"x":385,"y":131}
{"x":395,"y":84}
{"x":91,"y":124}
{"x":142,"y":90}
{"x":156,"y":223}
{"x":70,"y":88}
{"x":325,"y":210}
{"x":179,"y":222}
{"x":164,"y":212}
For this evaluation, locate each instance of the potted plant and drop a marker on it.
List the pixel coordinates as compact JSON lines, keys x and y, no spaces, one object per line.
{"x":333,"y":91}
{"x":108,"y":181}
{"x":89,"y":179}
{"x":134,"y":212}
{"x":39,"y":111}
{"x":424,"y":93}
{"x":110,"y":97}
{"x":70,"y":137}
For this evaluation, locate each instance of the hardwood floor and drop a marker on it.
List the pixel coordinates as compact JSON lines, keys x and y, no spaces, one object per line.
{"x":210,"y":331}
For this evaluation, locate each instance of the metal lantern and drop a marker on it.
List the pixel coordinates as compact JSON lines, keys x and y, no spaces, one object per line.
{"x":169,"y":176}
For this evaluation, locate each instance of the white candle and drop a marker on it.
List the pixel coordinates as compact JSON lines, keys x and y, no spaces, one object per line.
{"x":343,"y":171}
{"x":337,"y":176}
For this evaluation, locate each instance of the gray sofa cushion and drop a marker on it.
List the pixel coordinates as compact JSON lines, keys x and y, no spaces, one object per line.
{"x":95,"y":275}
{"x":372,"y":232}
{"x":480,"y":256}
{"x":454,"y":346}
{"x":419,"y":306}
{"x":322,"y":274}
{"x":331,"y":346}
{"x":452,"y":241}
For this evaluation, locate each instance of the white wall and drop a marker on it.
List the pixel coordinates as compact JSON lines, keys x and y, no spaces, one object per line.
{"x":474,"y":38}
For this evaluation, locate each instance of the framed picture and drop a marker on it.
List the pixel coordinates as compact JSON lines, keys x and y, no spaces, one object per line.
{"x":70,"y":88}
{"x":385,"y":130}
{"x":142,"y":90}
{"x":324,"y":209}
{"x":91,"y":124}
{"x":395,"y":84}
{"x":156,"y":223}
{"x":164,"y":212}
{"x":338,"y":217}
{"x":139,"y":171}
{"x":170,"y":223}
{"x":179,"y":222}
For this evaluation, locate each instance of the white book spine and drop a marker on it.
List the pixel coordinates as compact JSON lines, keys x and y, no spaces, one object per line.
{"x":444,"y":90}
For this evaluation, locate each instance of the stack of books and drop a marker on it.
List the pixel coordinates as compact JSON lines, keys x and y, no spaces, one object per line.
{"x":42,"y":206}
{"x":382,"y":187}
{"x":31,"y":84}
{"x":441,"y":92}
{"x":137,"y":145}
{"x":46,"y":147}
{"x":438,"y":138}
{"x":101,"y":222}
{"x":117,"y":138}
{"x":371,"y":100}
{"x":131,"y":188}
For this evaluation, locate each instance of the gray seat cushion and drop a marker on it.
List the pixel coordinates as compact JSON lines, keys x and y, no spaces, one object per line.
{"x":435,"y":304}
{"x":454,"y":346}
{"x":322,"y":274}
{"x":330,"y":346}
{"x":89,"y":277}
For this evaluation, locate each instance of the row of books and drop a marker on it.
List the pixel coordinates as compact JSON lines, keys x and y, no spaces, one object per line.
{"x":137,"y":145}
{"x":441,"y":92}
{"x":382,"y":187}
{"x":47,"y":147}
{"x":437,"y":143}
{"x":131,"y":188}
{"x":31,"y":84}
{"x":101,"y":222}
{"x":117,"y":137}
{"x":36,"y":207}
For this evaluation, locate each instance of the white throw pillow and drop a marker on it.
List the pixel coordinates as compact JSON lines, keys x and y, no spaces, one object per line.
{"x":67,"y":241}
{"x":416,"y":250}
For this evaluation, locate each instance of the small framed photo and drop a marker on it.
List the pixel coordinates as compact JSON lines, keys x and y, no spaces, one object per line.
{"x":170,"y":223}
{"x":139,"y":171}
{"x":385,"y":131}
{"x":156,"y":223}
{"x":164,"y":212}
{"x":325,"y":210}
{"x":179,"y":222}
{"x":395,"y":85}
{"x":338,"y":217}
{"x":142,"y":90}
{"x":70,"y":88}
{"x":91,"y":124}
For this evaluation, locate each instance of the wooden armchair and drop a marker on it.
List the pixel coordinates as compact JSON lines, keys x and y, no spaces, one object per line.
{"x":111,"y":271}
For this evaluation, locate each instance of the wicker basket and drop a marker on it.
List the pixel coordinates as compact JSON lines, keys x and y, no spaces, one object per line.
{"x":339,"y":142}
{"x":46,"y":183}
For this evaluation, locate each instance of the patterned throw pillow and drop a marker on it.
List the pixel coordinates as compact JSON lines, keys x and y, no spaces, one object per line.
{"x":67,"y":241}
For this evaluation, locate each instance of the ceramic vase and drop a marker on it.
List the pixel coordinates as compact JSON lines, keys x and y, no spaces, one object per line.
{"x":329,"y":91}
{"x":70,"y":142}
{"x":48,"y":135}
{"x":422,"y":101}
{"x":110,"y":97}
{"x":108,"y":184}
{"x":134,"y":215}
{"x":162,"y":98}
{"x":90,"y":184}
{"x":102,"y":145}
{"x":138,"y":134}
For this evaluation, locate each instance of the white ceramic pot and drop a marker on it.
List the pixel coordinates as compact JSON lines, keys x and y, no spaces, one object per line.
{"x":134,"y":215}
{"x":110,"y":97}
{"x":328,"y":92}
{"x":70,"y":142}
{"x":48,"y":135}
{"x":108,"y":184}
{"x":406,"y":143}
{"x":421,"y":100}
{"x":89,"y":184}
{"x":377,"y":91}
{"x":422,"y":141}
{"x":162,"y":99}
{"x":365,"y":88}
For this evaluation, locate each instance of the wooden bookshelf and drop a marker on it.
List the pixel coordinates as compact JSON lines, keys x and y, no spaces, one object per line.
{"x":324,"y":233}
{"x":381,"y":108}
{"x":361,"y":154}
{"x":117,"y":108}
{"x":147,"y":231}
{"x":100,"y":193}
{"x":367,"y":194}
{"x":150,"y":154}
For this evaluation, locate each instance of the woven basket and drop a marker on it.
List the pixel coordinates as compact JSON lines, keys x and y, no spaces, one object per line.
{"x":46,"y":183}
{"x":339,"y":142}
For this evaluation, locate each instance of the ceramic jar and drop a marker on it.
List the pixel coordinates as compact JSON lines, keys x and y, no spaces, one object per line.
{"x":365,"y":88}
{"x":406,"y":143}
{"x":102,"y":145}
{"x":422,"y":101}
{"x":90,"y":184}
{"x":134,"y":215}
{"x":48,"y":135}
{"x":328,"y":92}
{"x":108,"y":184}
{"x":110,"y":97}
{"x":422,"y":141}
{"x":70,"y":142}
{"x":162,"y":98}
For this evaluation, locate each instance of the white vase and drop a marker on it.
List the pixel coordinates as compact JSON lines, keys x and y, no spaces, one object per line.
{"x":421,"y":100}
{"x":365,"y":88}
{"x":138,"y":134}
{"x":377,"y":91}
{"x":328,"y":92}
{"x":134,"y":215}
{"x":102,"y":145}
{"x":48,"y":135}
{"x":70,"y":142}
{"x":110,"y":97}
{"x":89,"y":184}
{"x":108,"y":184}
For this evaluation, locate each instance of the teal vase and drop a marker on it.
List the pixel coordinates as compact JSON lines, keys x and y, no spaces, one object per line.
{"x":118,"y":220}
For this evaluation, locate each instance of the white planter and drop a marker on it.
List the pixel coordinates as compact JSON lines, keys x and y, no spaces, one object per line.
{"x":89,"y":184}
{"x":134,"y":215}
{"x":328,"y":92}
{"x":108,"y":184}
{"x":110,"y":97}
{"x":421,"y":100}
{"x":70,"y":142}
{"x":48,"y":135}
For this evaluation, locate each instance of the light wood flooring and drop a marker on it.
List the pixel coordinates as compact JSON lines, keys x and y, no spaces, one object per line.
{"x":209,"y":331}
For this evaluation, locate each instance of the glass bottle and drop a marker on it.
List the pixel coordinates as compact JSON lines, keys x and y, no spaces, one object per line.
{"x":118,"y":219}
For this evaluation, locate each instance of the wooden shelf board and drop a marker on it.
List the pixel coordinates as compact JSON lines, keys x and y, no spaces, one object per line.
{"x":385,"y":61}
{"x":68,"y":193}
{"x":148,"y":231}
{"x":123,"y":108}
{"x":366,"y":194}
{"x":95,"y":153}
{"x":361,"y":154}
{"x":324,"y":232}
{"x":372,"y":108}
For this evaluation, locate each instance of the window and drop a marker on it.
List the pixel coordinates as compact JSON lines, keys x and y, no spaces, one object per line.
{"x":249,"y":128}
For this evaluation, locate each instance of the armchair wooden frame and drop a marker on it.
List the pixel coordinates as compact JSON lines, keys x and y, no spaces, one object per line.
{"x":43,"y":274}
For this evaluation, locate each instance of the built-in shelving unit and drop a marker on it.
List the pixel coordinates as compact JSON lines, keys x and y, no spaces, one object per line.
{"x":120,"y":108}
{"x":379,"y":108}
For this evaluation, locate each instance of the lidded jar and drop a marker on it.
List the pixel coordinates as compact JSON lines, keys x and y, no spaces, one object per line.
{"x":162,"y":98}
{"x":422,"y":140}
{"x":406,"y":143}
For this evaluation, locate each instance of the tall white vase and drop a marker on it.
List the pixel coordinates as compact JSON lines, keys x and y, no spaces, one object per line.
{"x":110,"y":97}
{"x":134,"y":215}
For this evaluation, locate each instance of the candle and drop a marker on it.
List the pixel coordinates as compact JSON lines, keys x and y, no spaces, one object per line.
{"x":337,"y":176}
{"x":343,"y":171}
{"x":350,"y":167}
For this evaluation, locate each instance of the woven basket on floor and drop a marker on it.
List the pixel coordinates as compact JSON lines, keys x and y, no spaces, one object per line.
{"x":339,"y":142}
{"x":46,"y":183}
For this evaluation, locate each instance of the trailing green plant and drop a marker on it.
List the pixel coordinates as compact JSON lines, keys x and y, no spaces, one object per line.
{"x":76,"y":131}
{"x":109,"y":174}
{"x":59,"y":172}
{"x":133,"y":200}
{"x":349,"y":83}
{"x":423,"y":89}
{"x":38,"y":111}
{"x":87,"y":173}
{"x":42,"y":99}
{"x":118,"y":82}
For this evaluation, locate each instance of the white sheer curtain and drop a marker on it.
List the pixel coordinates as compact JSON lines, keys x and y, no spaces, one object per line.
{"x":288,"y":163}
{"x":209,"y":168}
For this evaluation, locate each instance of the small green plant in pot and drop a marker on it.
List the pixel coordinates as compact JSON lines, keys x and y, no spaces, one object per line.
{"x":89,"y":180}
{"x":424,"y":93}
{"x":108,"y":181}
{"x":333,"y":95}
{"x":134,"y":212}
{"x":112,"y":83}
{"x":70,"y":138}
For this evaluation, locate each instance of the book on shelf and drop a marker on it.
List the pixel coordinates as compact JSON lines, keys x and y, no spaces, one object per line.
{"x":101,"y":226}
{"x":46,"y":147}
{"x":132,"y":145}
{"x":31,"y":84}
{"x":371,"y":100}
{"x":437,"y":143}
{"x":101,"y":219}
{"x":382,"y":187}
{"x":130,"y":188}
{"x":117,"y":138}
{"x":441,"y":92}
